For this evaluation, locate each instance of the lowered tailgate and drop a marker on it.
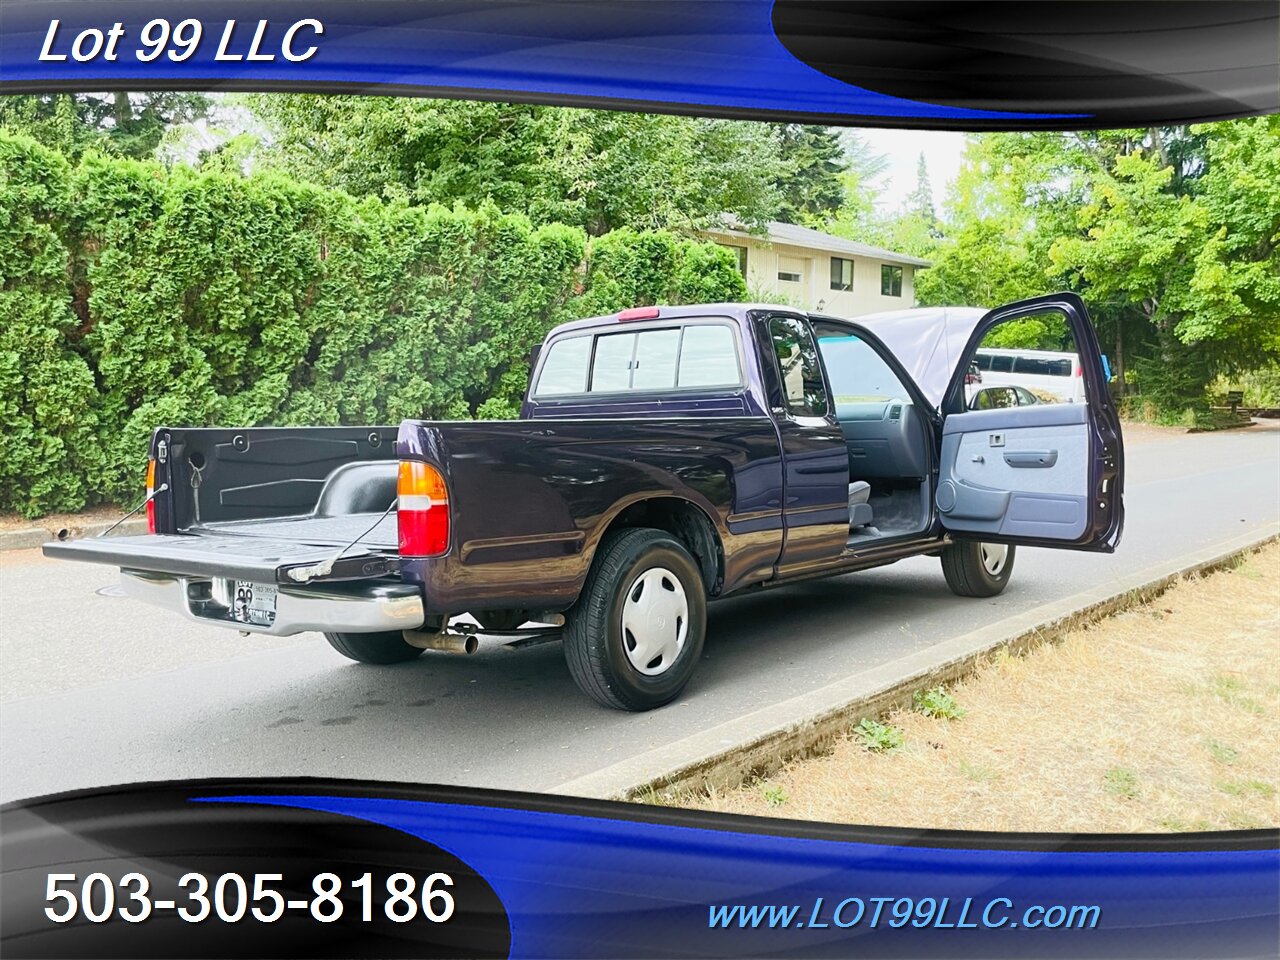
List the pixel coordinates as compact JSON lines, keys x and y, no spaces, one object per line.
{"x":260,"y":559}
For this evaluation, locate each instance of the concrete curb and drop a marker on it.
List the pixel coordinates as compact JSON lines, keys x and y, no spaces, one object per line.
{"x":808,"y":724}
{"x":34,"y":536}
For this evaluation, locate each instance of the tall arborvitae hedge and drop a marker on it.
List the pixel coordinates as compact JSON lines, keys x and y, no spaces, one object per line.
{"x":133,"y":295}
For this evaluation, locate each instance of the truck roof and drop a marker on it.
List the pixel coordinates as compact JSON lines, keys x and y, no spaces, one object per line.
{"x":926,"y":340}
{"x":734,"y":310}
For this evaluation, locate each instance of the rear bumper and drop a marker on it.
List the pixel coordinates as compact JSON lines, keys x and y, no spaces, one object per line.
{"x":358,"y":607}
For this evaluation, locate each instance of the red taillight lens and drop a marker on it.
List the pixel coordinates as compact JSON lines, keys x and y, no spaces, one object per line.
{"x":422,"y":511}
{"x":151,"y":500}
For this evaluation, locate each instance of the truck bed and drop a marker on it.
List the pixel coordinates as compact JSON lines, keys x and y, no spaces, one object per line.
{"x":319,"y":531}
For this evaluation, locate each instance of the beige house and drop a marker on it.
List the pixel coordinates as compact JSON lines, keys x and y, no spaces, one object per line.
{"x":820,"y":272}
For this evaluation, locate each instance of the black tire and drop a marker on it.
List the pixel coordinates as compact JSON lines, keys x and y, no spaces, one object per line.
{"x":380,"y":648}
{"x":967,"y":575}
{"x":595,"y":647}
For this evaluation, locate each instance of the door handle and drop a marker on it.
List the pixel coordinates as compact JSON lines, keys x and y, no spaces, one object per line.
{"x":1031,"y":458}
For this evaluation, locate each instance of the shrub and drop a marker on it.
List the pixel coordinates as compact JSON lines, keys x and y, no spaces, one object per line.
{"x":133,"y":296}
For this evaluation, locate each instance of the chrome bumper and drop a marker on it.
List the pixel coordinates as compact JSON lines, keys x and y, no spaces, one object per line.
{"x":362,"y":606}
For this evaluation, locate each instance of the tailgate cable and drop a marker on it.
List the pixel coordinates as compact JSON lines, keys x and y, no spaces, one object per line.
{"x":196,"y":479}
{"x":147,"y":499}
{"x":325,"y":567}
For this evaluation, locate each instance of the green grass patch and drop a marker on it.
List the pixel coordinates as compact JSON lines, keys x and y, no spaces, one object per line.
{"x":976,"y":772}
{"x":1121,"y":782}
{"x":1221,"y":752}
{"x":1230,"y":689}
{"x":1244,"y":788}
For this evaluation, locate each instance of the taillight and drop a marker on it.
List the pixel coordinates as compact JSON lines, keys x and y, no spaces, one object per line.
{"x":422,"y":511}
{"x":151,"y":498}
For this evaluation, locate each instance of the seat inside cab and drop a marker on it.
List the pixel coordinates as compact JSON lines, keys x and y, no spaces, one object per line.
{"x":887,"y":437}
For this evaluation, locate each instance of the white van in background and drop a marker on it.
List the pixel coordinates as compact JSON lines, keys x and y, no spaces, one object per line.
{"x":1045,"y":372}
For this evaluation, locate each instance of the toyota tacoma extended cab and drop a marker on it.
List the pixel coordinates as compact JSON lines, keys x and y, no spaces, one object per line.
{"x":664,"y":457}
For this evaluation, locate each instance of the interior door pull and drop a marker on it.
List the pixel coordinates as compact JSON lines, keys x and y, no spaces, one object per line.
{"x":1031,"y":458}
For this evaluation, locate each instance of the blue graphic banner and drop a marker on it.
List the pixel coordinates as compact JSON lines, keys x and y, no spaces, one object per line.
{"x":368,"y":870}
{"x":971,"y":65}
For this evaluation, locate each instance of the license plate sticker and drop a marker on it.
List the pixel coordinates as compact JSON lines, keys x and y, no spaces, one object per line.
{"x":254,"y":603}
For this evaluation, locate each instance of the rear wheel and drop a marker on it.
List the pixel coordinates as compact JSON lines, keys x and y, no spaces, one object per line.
{"x":976,"y":569}
{"x":381,"y":648}
{"x":634,"y":637}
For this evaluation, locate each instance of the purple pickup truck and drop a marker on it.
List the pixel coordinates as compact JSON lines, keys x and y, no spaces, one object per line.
{"x":664,"y":457}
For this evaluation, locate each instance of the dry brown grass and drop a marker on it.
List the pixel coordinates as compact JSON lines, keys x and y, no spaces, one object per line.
{"x":1165,"y":718}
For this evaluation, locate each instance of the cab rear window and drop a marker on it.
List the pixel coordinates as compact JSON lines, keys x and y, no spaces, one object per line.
{"x":702,"y":356}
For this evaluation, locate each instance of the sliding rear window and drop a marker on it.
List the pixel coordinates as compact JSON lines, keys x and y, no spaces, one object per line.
{"x":692,"y":356}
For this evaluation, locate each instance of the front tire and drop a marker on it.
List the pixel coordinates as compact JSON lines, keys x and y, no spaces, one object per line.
{"x":976,"y":569}
{"x":379,"y":648}
{"x":634,"y":637}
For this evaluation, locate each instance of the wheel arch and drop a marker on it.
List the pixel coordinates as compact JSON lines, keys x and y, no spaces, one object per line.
{"x":688,"y":523}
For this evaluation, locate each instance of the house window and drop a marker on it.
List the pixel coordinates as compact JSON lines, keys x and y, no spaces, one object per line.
{"x":790,"y":270}
{"x":841,"y":274}
{"x":890,"y":281}
{"x":739,"y":254}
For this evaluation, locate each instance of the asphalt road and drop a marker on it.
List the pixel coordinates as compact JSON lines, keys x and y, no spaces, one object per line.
{"x":96,"y":689}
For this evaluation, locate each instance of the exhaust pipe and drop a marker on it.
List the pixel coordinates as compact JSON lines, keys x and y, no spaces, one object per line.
{"x":462,"y":643}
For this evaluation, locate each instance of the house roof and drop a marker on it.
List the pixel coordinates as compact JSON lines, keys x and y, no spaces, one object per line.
{"x":792,"y":235}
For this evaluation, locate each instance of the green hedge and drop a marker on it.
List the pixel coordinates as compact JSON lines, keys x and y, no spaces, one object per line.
{"x":133,"y":295}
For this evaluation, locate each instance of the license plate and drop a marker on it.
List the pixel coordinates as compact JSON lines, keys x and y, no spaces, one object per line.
{"x":254,"y":603}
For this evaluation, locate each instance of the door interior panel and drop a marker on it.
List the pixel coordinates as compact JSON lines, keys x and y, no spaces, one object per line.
{"x":1018,"y":472}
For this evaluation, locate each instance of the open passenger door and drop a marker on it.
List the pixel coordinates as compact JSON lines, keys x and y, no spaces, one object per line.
{"x":1043,"y":474}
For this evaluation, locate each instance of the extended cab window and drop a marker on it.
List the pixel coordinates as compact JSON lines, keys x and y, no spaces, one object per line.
{"x":803,"y":390}
{"x":709,"y":357}
{"x":693,"y":356}
{"x":565,"y":369}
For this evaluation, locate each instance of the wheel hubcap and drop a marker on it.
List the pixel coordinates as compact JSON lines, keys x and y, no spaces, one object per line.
{"x":655,"y":621}
{"x":993,"y":557}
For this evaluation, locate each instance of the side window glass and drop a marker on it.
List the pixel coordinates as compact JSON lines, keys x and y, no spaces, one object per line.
{"x":565,"y":369}
{"x":803,"y":391}
{"x":857,"y":373}
{"x":1034,"y":359}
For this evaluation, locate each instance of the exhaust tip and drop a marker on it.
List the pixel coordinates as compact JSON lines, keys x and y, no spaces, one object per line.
{"x":459,"y":643}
